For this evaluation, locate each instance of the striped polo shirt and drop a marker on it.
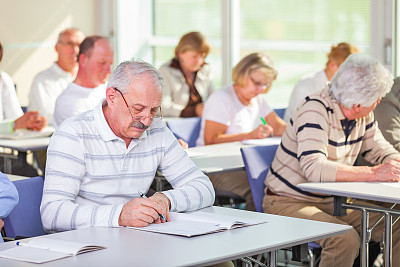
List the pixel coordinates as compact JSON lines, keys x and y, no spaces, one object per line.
{"x":319,"y":137}
{"x":91,"y":174}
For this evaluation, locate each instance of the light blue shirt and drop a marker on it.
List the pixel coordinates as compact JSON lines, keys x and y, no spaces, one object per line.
{"x":8,"y":197}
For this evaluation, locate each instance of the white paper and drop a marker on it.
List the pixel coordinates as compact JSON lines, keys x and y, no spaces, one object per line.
{"x":195,"y":154}
{"x":30,"y":254}
{"x":26,"y":134}
{"x":40,"y":249}
{"x":198,"y":223}
{"x":263,"y":142}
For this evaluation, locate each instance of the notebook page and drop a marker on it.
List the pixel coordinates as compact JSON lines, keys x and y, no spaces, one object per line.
{"x":30,"y":254}
{"x":69,"y":247}
{"x":224,"y":221}
{"x":182,"y":228}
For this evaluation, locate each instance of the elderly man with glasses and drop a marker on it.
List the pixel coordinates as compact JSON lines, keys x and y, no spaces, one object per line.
{"x":101,"y":161}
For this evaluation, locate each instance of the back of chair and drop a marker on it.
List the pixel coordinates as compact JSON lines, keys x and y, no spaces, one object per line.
{"x":24,"y":219}
{"x":257,"y":160}
{"x":280,"y":112}
{"x":187,"y":129}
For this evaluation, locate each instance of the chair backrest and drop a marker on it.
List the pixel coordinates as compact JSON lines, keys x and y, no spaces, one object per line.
{"x":280,"y":112}
{"x":257,"y":160}
{"x":24,"y":219}
{"x":187,"y":129}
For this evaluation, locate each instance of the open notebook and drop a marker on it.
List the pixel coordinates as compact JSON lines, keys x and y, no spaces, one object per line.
{"x":198,"y":223}
{"x":40,"y":250}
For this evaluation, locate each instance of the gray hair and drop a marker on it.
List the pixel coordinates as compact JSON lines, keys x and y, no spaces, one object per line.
{"x":360,"y":80}
{"x":68,"y":31}
{"x":129,"y":71}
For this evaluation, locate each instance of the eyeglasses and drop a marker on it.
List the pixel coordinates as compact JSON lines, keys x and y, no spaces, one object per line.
{"x":70,"y":44}
{"x":155,"y":113}
{"x":258,"y":84}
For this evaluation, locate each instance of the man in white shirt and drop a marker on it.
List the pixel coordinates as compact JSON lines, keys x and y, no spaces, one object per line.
{"x":313,"y":82}
{"x":100,"y":161}
{"x":49,"y":84}
{"x":95,"y":59}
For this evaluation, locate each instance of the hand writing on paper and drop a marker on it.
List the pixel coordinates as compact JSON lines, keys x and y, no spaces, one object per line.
{"x":262,"y":131}
{"x":141,"y":212}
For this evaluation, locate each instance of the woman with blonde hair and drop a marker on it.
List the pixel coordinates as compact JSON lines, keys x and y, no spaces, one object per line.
{"x":187,"y":78}
{"x":234,"y":113}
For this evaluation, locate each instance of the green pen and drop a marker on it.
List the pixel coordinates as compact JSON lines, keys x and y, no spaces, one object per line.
{"x":263,"y":121}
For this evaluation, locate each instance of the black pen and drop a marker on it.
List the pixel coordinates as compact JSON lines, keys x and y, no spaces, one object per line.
{"x":162,"y":217}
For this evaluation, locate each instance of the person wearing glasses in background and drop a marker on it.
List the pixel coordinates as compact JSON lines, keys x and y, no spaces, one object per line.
{"x":316,"y":81}
{"x":50,"y":83}
{"x":187,"y":77}
{"x":101,"y":160}
{"x":95,"y":59}
{"x":233,"y":113}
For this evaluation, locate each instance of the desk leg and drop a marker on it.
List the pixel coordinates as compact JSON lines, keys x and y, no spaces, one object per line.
{"x":387,"y":241}
{"x":7,"y":165}
{"x":159,"y":183}
{"x":272,"y":259}
{"x":364,"y":238}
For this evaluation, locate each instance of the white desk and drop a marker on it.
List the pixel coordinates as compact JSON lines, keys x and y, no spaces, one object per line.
{"x":23,"y":146}
{"x":221,"y":157}
{"x":384,"y":192}
{"x":218,"y":158}
{"x":213,"y":159}
{"x":128,"y":247}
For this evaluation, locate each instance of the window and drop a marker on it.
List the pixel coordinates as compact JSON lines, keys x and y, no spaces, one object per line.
{"x":296,"y":35}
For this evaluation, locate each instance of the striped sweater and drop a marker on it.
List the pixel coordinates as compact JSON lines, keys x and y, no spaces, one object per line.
{"x":316,"y":139}
{"x":90,"y":174}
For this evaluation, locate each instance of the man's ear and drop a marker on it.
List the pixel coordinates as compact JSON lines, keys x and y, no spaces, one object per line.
{"x":356,"y":108}
{"x":111,"y":95}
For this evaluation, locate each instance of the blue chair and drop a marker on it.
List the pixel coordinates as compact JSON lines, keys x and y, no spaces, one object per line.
{"x":187,"y":129}
{"x":257,"y":161}
{"x":280,"y":112}
{"x":24,"y":220}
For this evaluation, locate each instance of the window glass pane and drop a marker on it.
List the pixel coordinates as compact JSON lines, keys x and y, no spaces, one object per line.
{"x":297,"y":35}
{"x":173,"y":18}
{"x":176,"y":17}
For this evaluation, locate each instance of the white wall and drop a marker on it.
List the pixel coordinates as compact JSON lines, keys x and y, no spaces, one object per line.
{"x":29,"y":30}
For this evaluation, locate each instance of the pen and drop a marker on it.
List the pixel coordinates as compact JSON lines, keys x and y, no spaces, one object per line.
{"x":162,"y":217}
{"x":263,"y":121}
{"x":22,"y":244}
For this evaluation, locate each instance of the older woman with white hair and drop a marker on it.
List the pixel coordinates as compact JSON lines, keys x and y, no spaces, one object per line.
{"x":326,"y":133}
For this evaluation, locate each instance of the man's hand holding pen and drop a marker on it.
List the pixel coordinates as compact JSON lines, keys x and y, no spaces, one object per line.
{"x":140,"y":212}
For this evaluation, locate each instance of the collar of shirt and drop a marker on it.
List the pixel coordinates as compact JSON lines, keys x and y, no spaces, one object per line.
{"x":60,"y":72}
